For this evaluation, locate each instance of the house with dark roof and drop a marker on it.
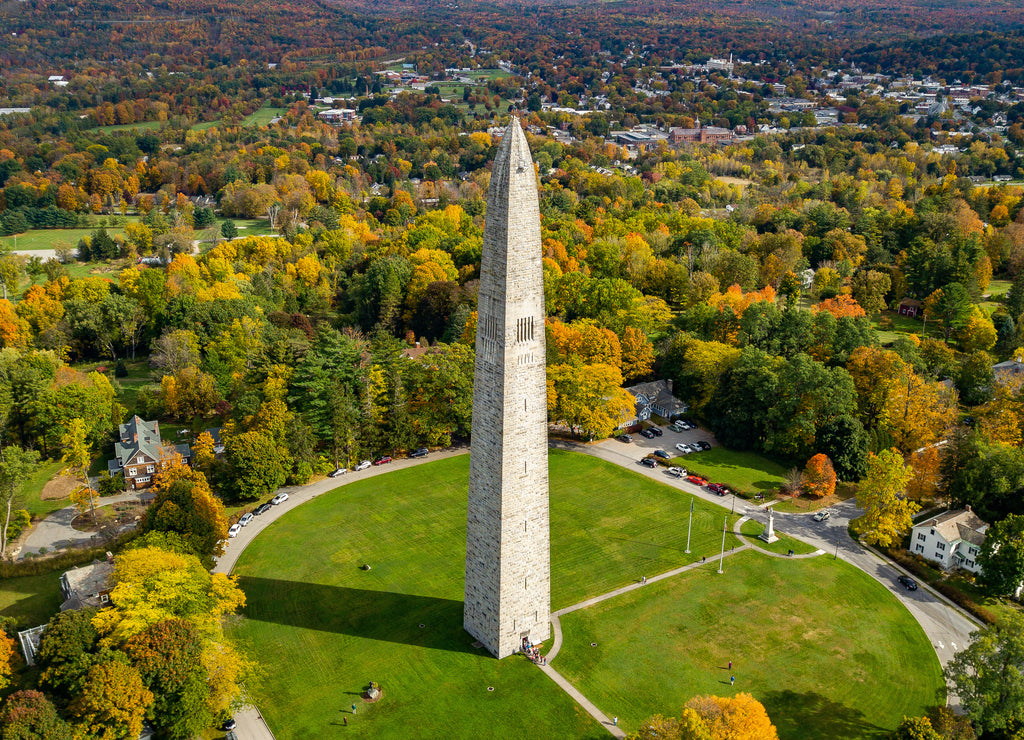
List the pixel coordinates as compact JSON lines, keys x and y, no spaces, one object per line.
{"x":653,"y":399}
{"x":952,"y":539}
{"x":139,"y":452}
{"x":87,"y":585}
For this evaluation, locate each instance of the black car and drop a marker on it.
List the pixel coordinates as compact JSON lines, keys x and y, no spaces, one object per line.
{"x":662,"y":454}
{"x":908,"y":583}
{"x":647,"y":434}
{"x":656,"y":431}
{"x":649,"y":462}
{"x":421,"y":452}
{"x":229,"y":725}
{"x":262,"y":509}
{"x":701,"y":445}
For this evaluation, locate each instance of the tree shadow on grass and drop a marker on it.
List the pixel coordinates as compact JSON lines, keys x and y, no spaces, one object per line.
{"x":374,"y":615}
{"x":811,"y":715}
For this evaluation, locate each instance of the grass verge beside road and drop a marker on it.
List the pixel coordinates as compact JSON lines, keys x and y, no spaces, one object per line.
{"x":823,"y":646}
{"x":744,"y":472}
{"x":752,"y":529}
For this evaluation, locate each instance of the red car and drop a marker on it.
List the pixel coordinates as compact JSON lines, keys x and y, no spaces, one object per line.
{"x":697,"y":480}
{"x":718,"y":488}
{"x":383,"y":459}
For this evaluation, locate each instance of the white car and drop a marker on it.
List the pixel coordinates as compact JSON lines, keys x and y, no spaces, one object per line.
{"x":677,"y":472}
{"x":363,"y":465}
{"x":279,"y":498}
{"x":234,"y":529}
{"x":337,"y":473}
{"x":684,"y":448}
{"x":246,"y":518}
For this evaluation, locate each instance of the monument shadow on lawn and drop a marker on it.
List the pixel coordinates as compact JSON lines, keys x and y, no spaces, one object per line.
{"x":375,"y":615}
{"x":793,"y":712}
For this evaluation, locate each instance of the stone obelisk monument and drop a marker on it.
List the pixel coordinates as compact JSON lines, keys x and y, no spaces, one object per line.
{"x":508,"y":565}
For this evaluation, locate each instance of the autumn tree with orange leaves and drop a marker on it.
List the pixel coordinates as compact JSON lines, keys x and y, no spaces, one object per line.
{"x":819,"y":476}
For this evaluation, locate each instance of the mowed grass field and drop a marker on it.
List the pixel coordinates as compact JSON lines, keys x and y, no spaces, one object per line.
{"x":323,"y":628}
{"x":824,"y":647}
{"x":744,"y":472}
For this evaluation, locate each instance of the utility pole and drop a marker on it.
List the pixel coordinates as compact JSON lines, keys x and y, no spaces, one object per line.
{"x":721,"y":559}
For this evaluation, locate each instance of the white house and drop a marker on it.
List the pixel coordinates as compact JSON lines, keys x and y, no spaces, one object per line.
{"x":952,"y":539}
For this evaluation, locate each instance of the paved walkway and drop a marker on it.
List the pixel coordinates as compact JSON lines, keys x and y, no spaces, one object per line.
{"x":947,"y":626}
{"x":55,"y":531}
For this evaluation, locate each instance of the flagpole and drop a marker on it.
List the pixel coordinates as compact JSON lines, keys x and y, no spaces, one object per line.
{"x":721,"y":560}
{"x":689,"y":527}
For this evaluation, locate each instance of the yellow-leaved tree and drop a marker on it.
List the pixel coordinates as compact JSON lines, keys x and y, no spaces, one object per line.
{"x":741,"y":717}
{"x":882,"y":494}
{"x":151,"y":585}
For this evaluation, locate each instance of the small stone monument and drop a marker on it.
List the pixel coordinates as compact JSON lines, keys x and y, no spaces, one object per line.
{"x":768,"y":535}
{"x":373,"y":693}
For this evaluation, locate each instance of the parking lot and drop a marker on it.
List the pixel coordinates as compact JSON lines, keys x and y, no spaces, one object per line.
{"x":668,"y":441}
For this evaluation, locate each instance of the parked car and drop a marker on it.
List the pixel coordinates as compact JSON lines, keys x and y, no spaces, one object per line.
{"x":908,"y":583}
{"x":656,"y":431}
{"x":822,"y":515}
{"x":234,"y":529}
{"x":229,"y":725}
{"x":382,"y":460}
{"x":684,"y":424}
{"x":718,"y":488}
{"x":701,"y":445}
{"x":697,"y":480}
{"x":647,"y":434}
{"x":625,"y":438}
{"x":649,"y":462}
{"x":261,"y":509}
{"x":675,"y":427}
{"x":363,"y":465}
{"x":677,"y":472}
{"x":684,"y":448}
{"x":245,"y":518}
{"x":662,"y":454}
{"x":279,"y":498}
{"x":337,"y":473}
{"x":421,"y":452}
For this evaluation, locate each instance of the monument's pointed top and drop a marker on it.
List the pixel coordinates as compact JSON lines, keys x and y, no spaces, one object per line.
{"x":513,"y":156}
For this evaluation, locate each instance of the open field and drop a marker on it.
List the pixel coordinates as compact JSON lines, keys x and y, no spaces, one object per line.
{"x":140,"y":126}
{"x":52,"y":238}
{"x":32,"y":600}
{"x":34,"y":503}
{"x":744,"y":472}
{"x":308,"y":597}
{"x":828,"y":650}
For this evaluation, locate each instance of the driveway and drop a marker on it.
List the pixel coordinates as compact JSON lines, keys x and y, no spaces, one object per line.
{"x":55,"y":531}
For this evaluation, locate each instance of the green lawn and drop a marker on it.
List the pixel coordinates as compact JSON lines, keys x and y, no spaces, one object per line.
{"x":744,"y":472}
{"x":32,"y":600}
{"x":824,"y":647}
{"x":322,"y":627}
{"x":752,"y":529}
{"x":52,"y":238}
{"x":263,"y":116}
{"x":140,"y":126}
{"x":34,"y":505}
